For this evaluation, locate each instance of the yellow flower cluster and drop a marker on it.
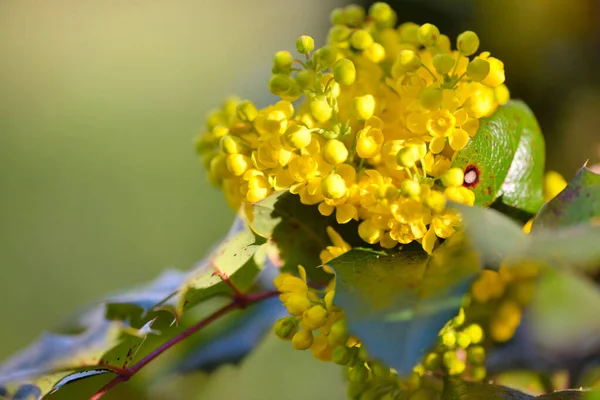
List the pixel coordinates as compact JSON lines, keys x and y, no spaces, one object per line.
{"x":310,"y":313}
{"x":459,"y":351}
{"x":316,"y":324}
{"x":367,"y":126}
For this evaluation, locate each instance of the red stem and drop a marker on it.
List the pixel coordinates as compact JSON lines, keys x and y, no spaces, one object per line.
{"x":239,"y":302}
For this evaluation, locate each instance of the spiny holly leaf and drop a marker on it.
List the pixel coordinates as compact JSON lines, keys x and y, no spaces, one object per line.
{"x":497,"y":239}
{"x":235,"y":262}
{"x":299,"y":231}
{"x":397,"y":303}
{"x":57,"y":359}
{"x":152,"y":297}
{"x":507,"y":156}
{"x":578,"y":202}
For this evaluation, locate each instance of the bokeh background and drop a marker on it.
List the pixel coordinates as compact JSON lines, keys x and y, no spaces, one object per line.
{"x":100,"y":100}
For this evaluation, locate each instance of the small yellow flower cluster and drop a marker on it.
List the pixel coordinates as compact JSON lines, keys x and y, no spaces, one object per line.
{"x":459,"y":351}
{"x":309,"y":313}
{"x":503,"y":294}
{"x":384,"y":111}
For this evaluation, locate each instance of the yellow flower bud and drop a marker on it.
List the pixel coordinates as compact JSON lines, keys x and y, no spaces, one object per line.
{"x":411,"y":188}
{"x":246,"y":111}
{"x":314,"y":318}
{"x":339,"y":35}
{"x":285,"y":327}
{"x":502,"y":94}
{"x":368,"y":142}
{"x":478,"y":373}
{"x":354,"y":15}
{"x":460,"y":194}
{"x":383,"y":15}
{"x":325,"y":57}
{"x":460,"y":318}
{"x":334,"y":152}
{"x":237,"y":164}
{"x":364,"y":106}
{"x":344,"y":72}
{"x":341,"y":355}
{"x":428,"y":34}
{"x":230,"y":144}
{"x":448,"y":339}
{"x":282,"y":62}
{"x":375,"y":53}
{"x":478,"y":69}
{"x":431,"y":98}
{"x":358,"y":373}
{"x":408,"y":156}
{"x":453,"y":364}
{"x":298,"y":136}
{"x":443,"y":63}
{"x":285,"y":87}
{"x":338,"y":334}
{"x":453,"y":177}
{"x":369,"y":232}
{"x":320,"y":109}
{"x":409,"y":32}
{"x":407,"y":61}
{"x":463,"y":340}
{"x":496,"y":75}
{"x":361,"y":39}
{"x":432,"y":361}
{"x":333,"y":186}
{"x":305,"y":44}
{"x":476,"y":355}
{"x":305,"y":78}
{"x":297,"y":303}
{"x":303,"y":339}
{"x":475,"y":333}
{"x":467,"y":43}
{"x":436,"y":201}
{"x":338,"y":16}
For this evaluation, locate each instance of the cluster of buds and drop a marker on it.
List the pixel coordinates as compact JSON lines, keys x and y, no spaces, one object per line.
{"x":367,"y":127}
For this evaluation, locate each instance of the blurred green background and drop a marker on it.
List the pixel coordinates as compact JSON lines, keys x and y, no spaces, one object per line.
{"x":100,"y":100}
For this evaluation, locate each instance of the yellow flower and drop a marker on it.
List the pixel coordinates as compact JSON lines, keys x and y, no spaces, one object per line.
{"x":554,"y":183}
{"x":339,"y":246}
{"x":380,"y":115}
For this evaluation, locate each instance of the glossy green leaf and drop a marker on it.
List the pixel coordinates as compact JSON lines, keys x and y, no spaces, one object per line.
{"x":397,"y":303}
{"x":238,"y":259}
{"x":578,"y":202}
{"x":497,"y":238}
{"x":57,"y":359}
{"x":138,"y":302}
{"x":564,"y":313}
{"x":299,"y":231}
{"x":508,"y":153}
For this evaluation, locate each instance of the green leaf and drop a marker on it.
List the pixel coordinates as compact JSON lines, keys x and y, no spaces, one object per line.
{"x":299,"y":231}
{"x":578,"y":202}
{"x":564,"y":313}
{"x":57,"y":359}
{"x":236,"y":261}
{"x":508,"y":153}
{"x":137,"y":303}
{"x":397,"y":303}
{"x":497,"y":238}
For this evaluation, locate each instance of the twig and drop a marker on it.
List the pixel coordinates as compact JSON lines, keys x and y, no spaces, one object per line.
{"x":238,"y":302}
